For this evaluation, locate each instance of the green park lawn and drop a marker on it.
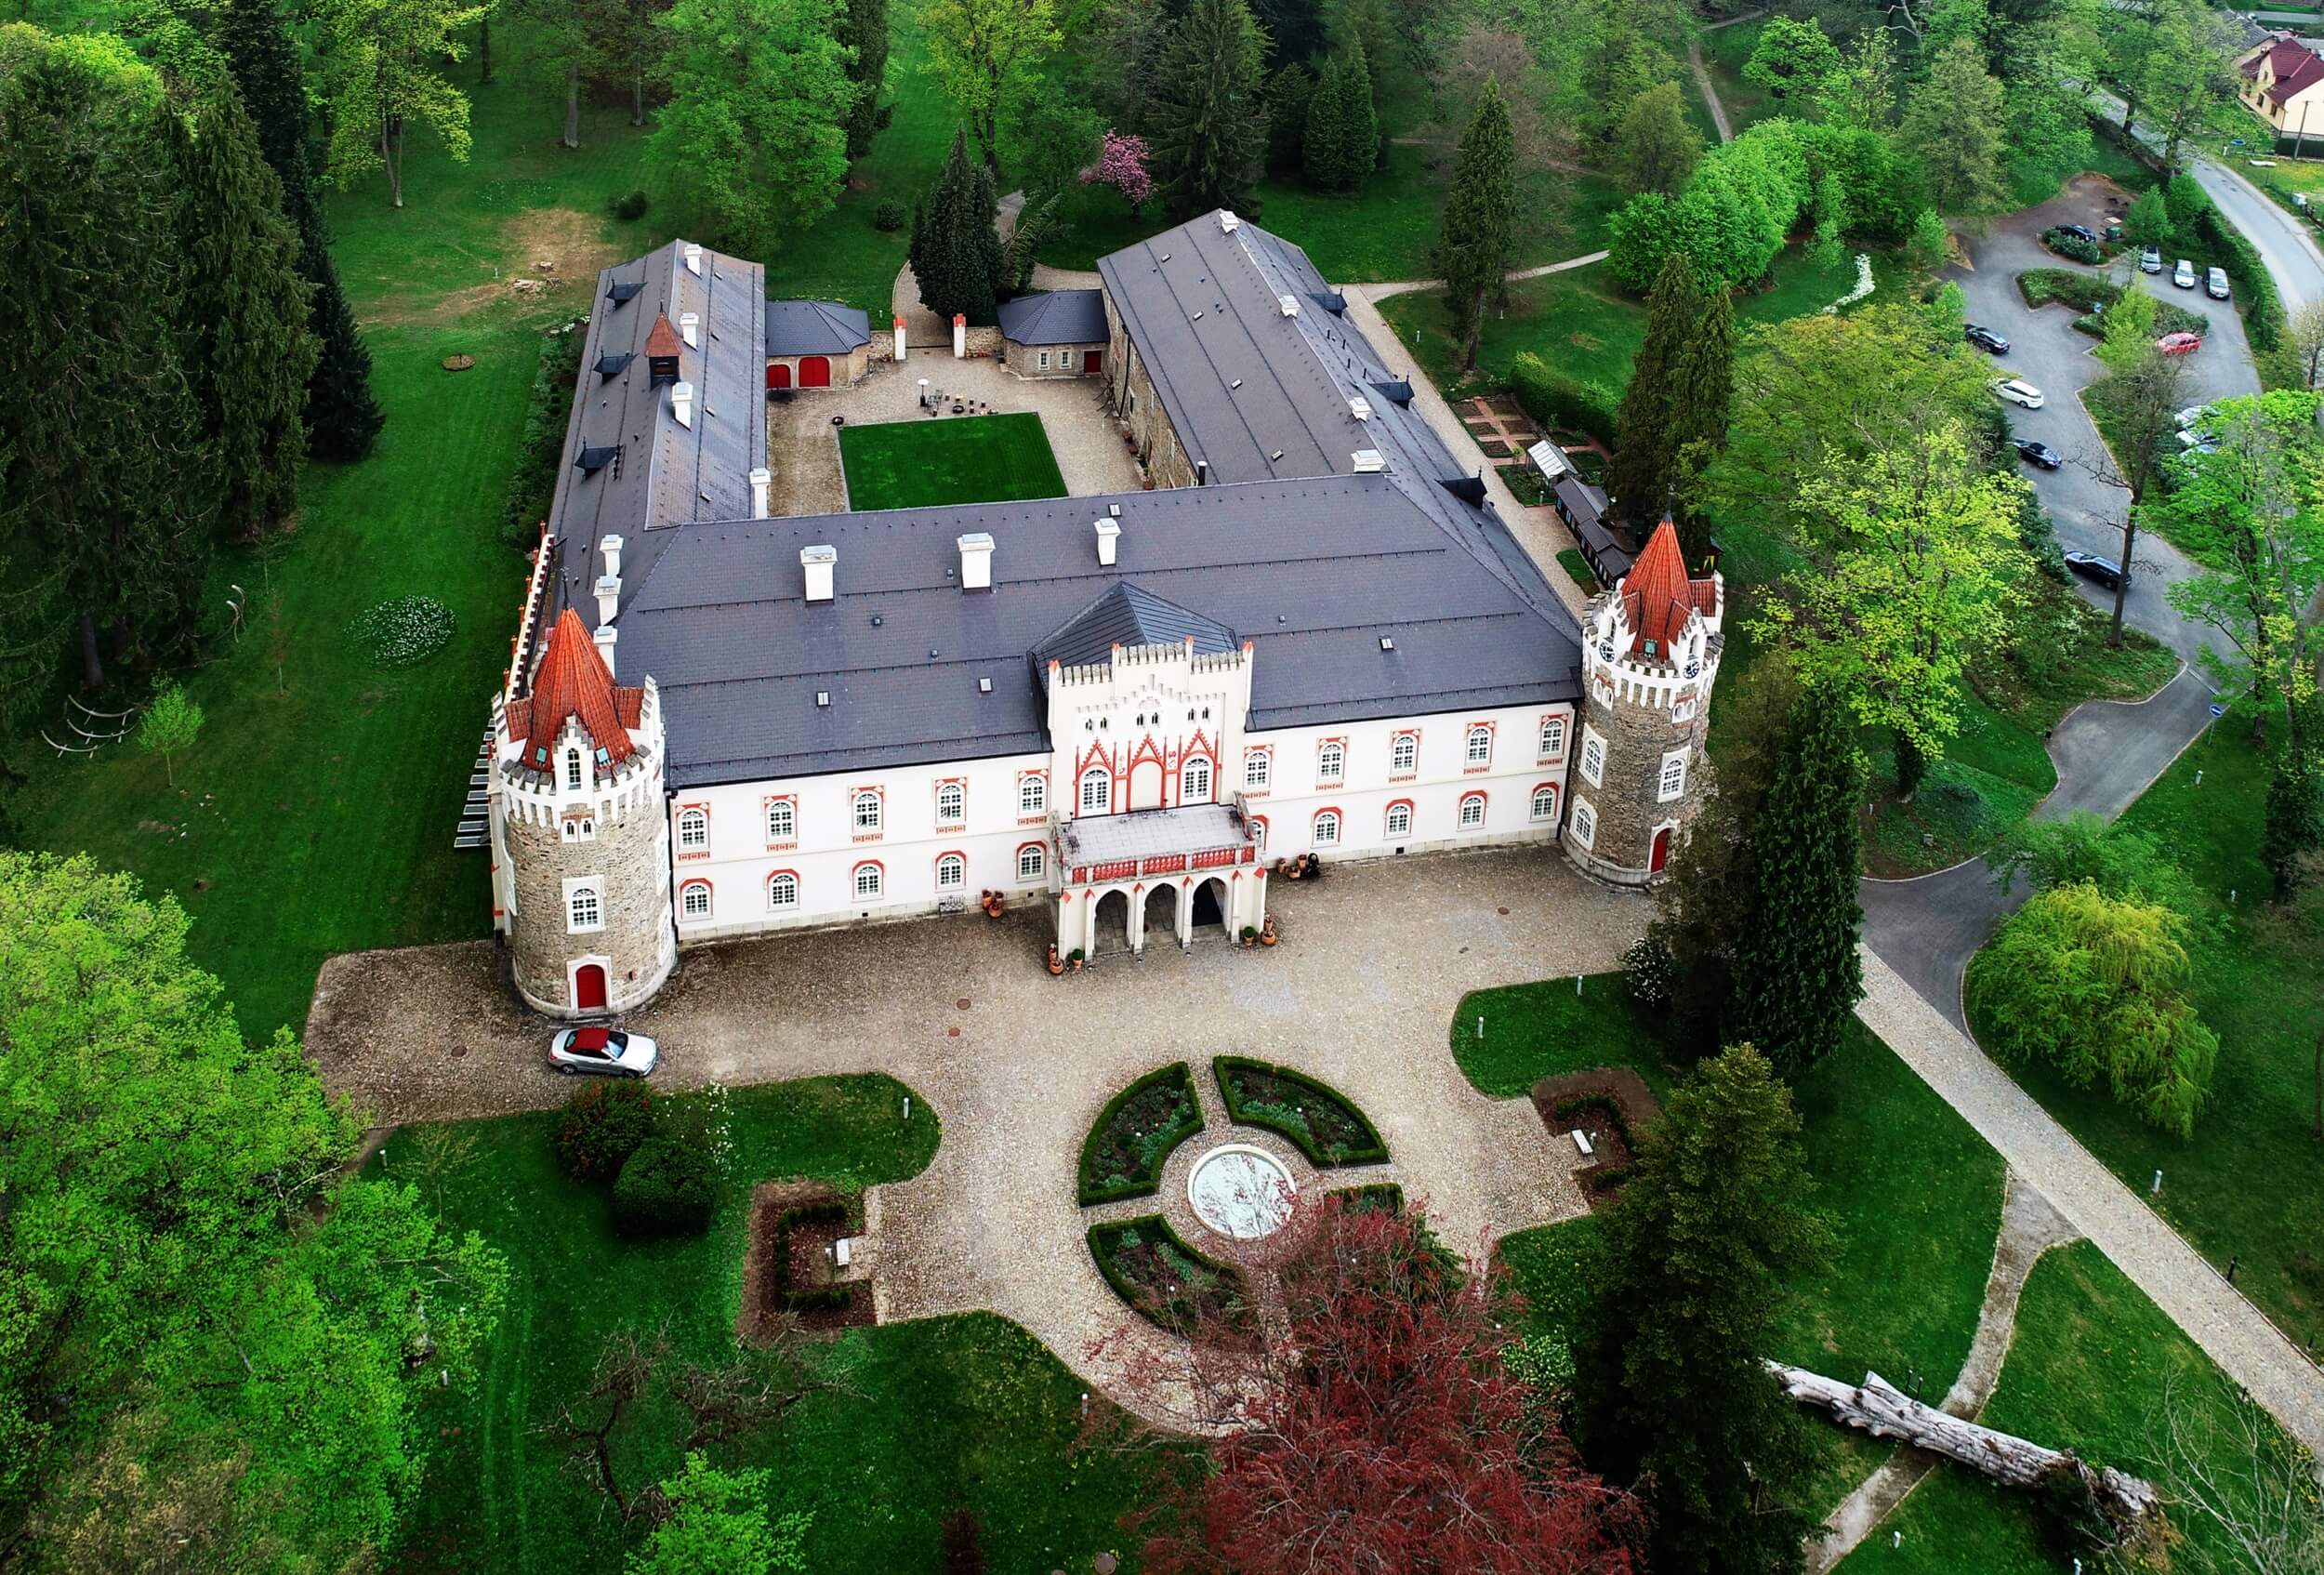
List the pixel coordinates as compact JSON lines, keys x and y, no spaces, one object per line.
{"x":923,"y":1418}
{"x":1725,"y":52}
{"x":969,"y":459}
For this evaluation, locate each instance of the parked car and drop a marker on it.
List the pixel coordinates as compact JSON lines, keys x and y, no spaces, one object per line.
{"x":2196,"y":441}
{"x":1986,"y":338}
{"x":2184,"y":276}
{"x":2040,"y":454}
{"x":2191,"y":414}
{"x":2150,"y":261}
{"x":2105,"y":571}
{"x":2018,"y":391}
{"x":2079,"y":232}
{"x":2215,"y":284}
{"x":2181,"y":343}
{"x":609,"y":1051}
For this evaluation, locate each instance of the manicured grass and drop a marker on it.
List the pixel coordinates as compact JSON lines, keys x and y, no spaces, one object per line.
{"x":927,"y":463}
{"x":1577,"y":569}
{"x":967,"y":1412}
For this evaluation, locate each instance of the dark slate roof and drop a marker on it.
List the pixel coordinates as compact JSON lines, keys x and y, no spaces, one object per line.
{"x":1055,"y":317}
{"x":1129,"y":615}
{"x":815,"y":328}
{"x":1313,"y":573}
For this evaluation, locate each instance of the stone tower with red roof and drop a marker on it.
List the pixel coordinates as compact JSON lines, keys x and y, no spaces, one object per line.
{"x":580,"y":837}
{"x":1650,"y":651}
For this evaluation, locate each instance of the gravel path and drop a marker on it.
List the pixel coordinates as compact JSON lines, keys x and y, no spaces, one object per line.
{"x":1710,"y":94}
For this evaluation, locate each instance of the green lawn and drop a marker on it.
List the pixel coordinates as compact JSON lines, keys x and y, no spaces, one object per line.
{"x":1724,"y":53}
{"x":963,"y":459}
{"x":962,"y":1411}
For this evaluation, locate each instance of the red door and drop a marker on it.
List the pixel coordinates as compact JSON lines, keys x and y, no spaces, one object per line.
{"x":588,"y":987}
{"x":1661,"y":855}
{"x":1092,"y":362}
{"x":778,"y":373}
{"x":814,"y":371}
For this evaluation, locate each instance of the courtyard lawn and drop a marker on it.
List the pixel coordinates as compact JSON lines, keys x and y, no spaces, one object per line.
{"x":965,"y":1411}
{"x":957,"y":459}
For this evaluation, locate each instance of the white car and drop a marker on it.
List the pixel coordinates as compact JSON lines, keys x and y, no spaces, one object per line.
{"x":609,"y":1051}
{"x":2018,"y":391}
{"x":2191,"y":414}
{"x":2184,"y":276}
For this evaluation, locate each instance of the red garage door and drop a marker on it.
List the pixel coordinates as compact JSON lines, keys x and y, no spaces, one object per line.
{"x":1093,"y":360}
{"x":814,"y":371}
{"x":778,"y":373}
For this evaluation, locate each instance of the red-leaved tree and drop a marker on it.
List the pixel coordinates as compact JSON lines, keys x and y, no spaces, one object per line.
{"x":1121,"y":164}
{"x":1361,"y":1422}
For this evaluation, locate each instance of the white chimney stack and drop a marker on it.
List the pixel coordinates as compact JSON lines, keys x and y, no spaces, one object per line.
{"x":681,"y":403}
{"x":1228,"y":223}
{"x":694,"y":260}
{"x":976,"y":561}
{"x":1287,"y":305}
{"x":1109,"y":534}
{"x":606,"y":635}
{"x":761,"y":479}
{"x":818,"y":562}
{"x":690,"y":329}
{"x":1360,"y":408}
{"x":1368,"y":462}
{"x":611,"y":546}
{"x":608,"y":599}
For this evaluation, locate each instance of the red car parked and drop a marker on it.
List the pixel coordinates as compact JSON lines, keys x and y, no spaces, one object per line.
{"x":2181,"y":343}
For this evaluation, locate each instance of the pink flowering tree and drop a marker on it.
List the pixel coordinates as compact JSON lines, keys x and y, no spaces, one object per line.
{"x":1121,"y":164}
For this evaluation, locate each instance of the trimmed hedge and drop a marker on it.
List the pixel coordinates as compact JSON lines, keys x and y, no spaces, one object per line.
{"x":1103,"y":1183}
{"x":1295,"y":1107}
{"x":1552,"y":399}
{"x":2264,"y":322}
{"x":1377,"y":1195}
{"x":666,"y":1189}
{"x":1196,"y":1280}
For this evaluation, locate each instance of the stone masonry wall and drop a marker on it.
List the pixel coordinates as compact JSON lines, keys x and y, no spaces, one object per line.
{"x":1627,"y":805}
{"x":630,"y":860}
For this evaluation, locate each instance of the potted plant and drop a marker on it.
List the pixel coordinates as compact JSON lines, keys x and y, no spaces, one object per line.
{"x":1056,"y":963}
{"x":992,"y":904}
{"x":1074,"y":957}
{"x":1251,"y":935}
{"x":1267,"y":935}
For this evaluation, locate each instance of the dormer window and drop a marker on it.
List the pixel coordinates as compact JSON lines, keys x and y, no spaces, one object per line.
{"x":1649,"y":647}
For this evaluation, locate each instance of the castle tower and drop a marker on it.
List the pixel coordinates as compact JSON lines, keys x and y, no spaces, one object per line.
{"x":581,"y":880}
{"x":1650,"y":651}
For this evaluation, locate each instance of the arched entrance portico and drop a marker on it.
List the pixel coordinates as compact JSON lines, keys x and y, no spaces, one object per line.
{"x":1158,"y":914}
{"x":1208,"y":901}
{"x":1109,"y":924}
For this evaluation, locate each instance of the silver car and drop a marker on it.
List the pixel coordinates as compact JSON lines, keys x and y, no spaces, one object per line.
{"x":2150,"y":261}
{"x":2184,"y":276}
{"x":609,"y":1051}
{"x":2215,"y":284}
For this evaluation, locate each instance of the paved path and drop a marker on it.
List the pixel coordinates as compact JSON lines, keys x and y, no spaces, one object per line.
{"x":2229,"y":1329}
{"x":1710,"y":94}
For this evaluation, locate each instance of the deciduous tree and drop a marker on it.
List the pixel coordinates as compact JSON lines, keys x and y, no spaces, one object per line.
{"x":1210,"y":119}
{"x":987,"y":53}
{"x":717,"y":1525}
{"x":382,"y":69}
{"x":1792,"y":60}
{"x":171,"y":723}
{"x":1657,"y":148}
{"x":863,"y":34}
{"x":2146,"y":223}
{"x":1480,"y":220}
{"x":1954,"y":121}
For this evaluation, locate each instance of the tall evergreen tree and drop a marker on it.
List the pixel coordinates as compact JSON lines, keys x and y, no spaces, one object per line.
{"x":1290,"y":92}
{"x":1668,"y":1381}
{"x":863,"y":28}
{"x":247,"y":347}
{"x":343,"y":420}
{"x":1479,"y":219}
{"x":1209,"y":114}
{"x":1646,"y":454}
{"x":955,"y":252}
{"x":1797,"y":975}
{"x":1702,"y":401}
{"x":1342,"y":143}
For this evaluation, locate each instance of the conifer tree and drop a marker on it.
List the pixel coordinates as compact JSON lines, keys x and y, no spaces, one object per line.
{"x":247,"y":347}
{"x":1797,"y":975}
{"x":863,"y":28}
{"x":1479,"y":219}
{"x":1360,"y":139}
{"x":955,"y":253}
{"x":1669,"y":1382}
{"x":1646,"y":454}
{"x":1210,"y":116}
{"x":1342,"y":140}
{"x":1702,"y":399}
{"x":1290,"y":92}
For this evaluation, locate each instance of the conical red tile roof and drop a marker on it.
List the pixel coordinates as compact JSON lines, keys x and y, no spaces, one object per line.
{"x":663,"y":339}
{"x":1656,"y":595}
{"x":573,"y":681}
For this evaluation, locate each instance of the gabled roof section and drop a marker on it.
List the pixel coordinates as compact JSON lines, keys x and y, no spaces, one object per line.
{"x":574,"y":681}
{"x":1657,"y":597}
{"x":1128,"y":616}
{"x":815,"y":328}
{"x":1055,"y":317}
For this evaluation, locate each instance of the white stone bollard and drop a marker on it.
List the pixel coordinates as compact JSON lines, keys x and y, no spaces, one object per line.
{"x":898,"y":336}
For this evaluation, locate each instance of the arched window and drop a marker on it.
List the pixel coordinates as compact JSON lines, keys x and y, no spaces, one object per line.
{"x":952,"y":804}
{"x":1259,"y":832}
{"x":1545,"y":801}
{"x":1472,"y":812}
{"x":783,"y":891}
{"x":694,"y":899}
{"x":1404,"y":753}
{"x":1194,"y":782}
{"x":1400,"y":819}
{"x":782,"y":820}
{"x":1480,"y":745}
{"x":581,"y":909}
{"x":1673,"y":776}
{"x":1032,"y":859}
{"x":1256,"y":764}
{"x":952,"y":873}
{"x":1585,"y":824}
{"x":868,"y":879}
{"x":1552,"y":737}
{"x":867,"y":811}
{"x":694,"y":830}
{"x":573,"y":768}
{"x":1326,"y":829}
{"x":1593,"y":759}
{"x":1329,"y":761}
{"x":1097,"y":791}
{"x":1032,"y":793}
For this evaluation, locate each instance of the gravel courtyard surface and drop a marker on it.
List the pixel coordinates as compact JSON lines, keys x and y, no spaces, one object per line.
{"x":1360,"y":993}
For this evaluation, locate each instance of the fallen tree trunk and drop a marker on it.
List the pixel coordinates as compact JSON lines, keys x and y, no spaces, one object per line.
{"x":1879,"y":1408}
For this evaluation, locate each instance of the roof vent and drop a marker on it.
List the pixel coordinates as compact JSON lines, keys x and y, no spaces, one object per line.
{"x":694,"y":260}
{"x":605,"y":637}
{"x":976,"y":562}
{"x":621,"y":294}
{"x":612,"y":367}
{"x":983,"y":686}
{"x":1236,"y":384}
{"x":1228,"y":223}
{"x":592,"y":460}
{"x":608,"y":589}
{"x":1291,"y":305}
{"x":1368,"y":462}
{"x":611,"y":546}
{"x":822,"y":698}
{"x":760,"y":478}
{"x":690,"y":329}
{"x":681,"y":403}
{"x":1360,"y":408}
{"x":1114,"y":510}
{"x":820,"y":565}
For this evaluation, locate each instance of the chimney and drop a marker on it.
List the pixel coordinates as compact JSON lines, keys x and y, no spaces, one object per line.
{"x":1360,"y":408}
{"x":818,"y":562}
{"x":694,"y":260}
{"x":690,"y":329}
{"x":976,"y":561}
{"x":1228,"y":223}
{"x":606,"y":635}
{"x":608,"y":599}
{"x":1202,"y":473}
{"x":611,"y":546}
{"x":761,"y":479}
{"x":1368,"y":462}
{"x":681,"y":403}
{"x":1109,"y":534}
{"x":1287,"y":305}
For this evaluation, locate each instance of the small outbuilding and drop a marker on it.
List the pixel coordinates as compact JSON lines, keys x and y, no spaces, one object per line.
{"x":816,"y":345}
{"x":1583,"y":508}
{"x":1054,"y":334}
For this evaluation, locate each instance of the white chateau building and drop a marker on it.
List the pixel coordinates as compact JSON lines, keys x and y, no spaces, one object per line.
{"x":1128,"y":708}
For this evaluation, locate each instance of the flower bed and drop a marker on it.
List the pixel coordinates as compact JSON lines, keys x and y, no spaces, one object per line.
{"x":1525,"y":482}
{"x":1151,"y":1267}
{"x":1133,"y":1135}
{"x":794,"y":1252}
{"x":1324,"y":1123}
{"x":405,"y":631}
{"x":1608,"y":1103}
{"x":1378,"y":1195}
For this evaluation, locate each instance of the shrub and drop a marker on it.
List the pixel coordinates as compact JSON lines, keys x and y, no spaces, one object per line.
{"x":2039,"y":535}
{"x":663,"y":1190}
{"x":603,"y":1124}
{"x":533,"y":484}
{"x":1134,"y":1134}
{"x":889,"y":217}
{"x":1650,"y":970}
{"x":1151,"y":1267}
{"x":1552,"y":399}
{"x":630,"y":206}
{"x":2074,"y":247}
{"x":1324,"y":1123}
